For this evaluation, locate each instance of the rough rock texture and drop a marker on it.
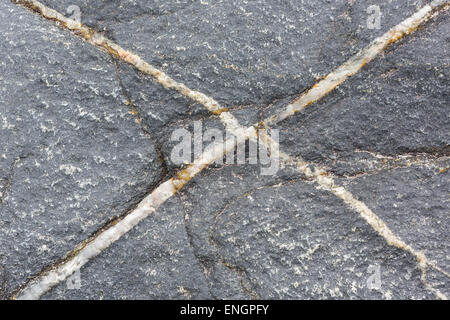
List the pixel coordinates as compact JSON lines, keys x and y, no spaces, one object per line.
{"x":72,"y":157}
{"x":413,"y":201}
{"x":84,"y":137}
{"x":396,"y":105}
{"x":286,"y":239}
{"x":161,"y":111}
{"x":242,"y":52}
{"x":153,"y":261}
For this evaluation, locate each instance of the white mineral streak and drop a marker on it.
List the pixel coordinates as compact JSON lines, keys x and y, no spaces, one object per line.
{"x":354,"y":64}
{"x":37,"y":287}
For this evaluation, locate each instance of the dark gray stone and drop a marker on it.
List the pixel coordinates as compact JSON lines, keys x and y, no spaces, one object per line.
{"x":242,"y":52}
{"x":398,"y":104}
{"x":72,"y":156}
{"x":413,"y":201}
{"x":163,"y":111}
{"x":85,"y":137}
{"x":104,"y":14}
{"x":286,"y":239}
{"x":153,"y":261}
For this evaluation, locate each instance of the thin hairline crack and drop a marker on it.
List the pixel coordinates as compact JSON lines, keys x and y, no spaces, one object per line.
{"x":10,"y":178}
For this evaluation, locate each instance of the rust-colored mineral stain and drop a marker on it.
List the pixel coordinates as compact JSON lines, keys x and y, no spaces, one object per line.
{"x":87,"y":34}
{"x":218,"y":112}
{"x":157,"y":74}
{"x":125,"y":55}
{"x":395,"y":37}
{"x":444,"y":170}
{"x":363,"y":63}
{"x":110,"y":50}
{"x":181,"y":178}
{"x":260,"y":125}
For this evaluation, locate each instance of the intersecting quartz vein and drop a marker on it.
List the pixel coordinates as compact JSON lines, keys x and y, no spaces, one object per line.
{"x":42,"y":283}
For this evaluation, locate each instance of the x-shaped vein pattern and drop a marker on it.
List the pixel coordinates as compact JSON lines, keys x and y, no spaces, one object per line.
{"x":92,"y":247}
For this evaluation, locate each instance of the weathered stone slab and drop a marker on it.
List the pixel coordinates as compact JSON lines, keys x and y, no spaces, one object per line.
{"x":413,"y":201}
{"x":161,"y":111}
{"x":398,"y":104}
{"x":284,"y":238}
{"x":153,"y":261}
{"x":72,"y":157}
{"x":242,"y":52}
{"x":85,"y":137}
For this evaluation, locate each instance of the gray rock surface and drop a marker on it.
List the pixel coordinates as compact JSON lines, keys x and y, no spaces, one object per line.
{"x":413,"y":201}
{"x":396,"y":105}
{"x":162,"y":111}
{"x":85,"y":137}
{"x":72,"y":157}
{"x":153,"y":261}
{"x":242,"y":52}
{"x":277,"y":238}
{"x":286,"y":239}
